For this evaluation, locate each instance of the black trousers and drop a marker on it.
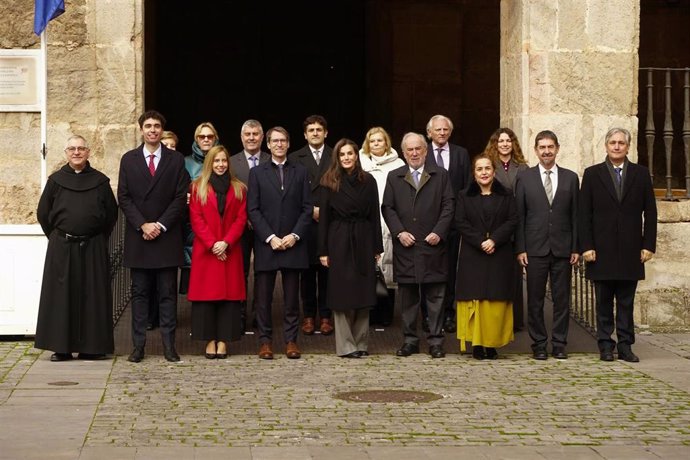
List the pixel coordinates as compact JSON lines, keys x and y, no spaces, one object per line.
{"x":161,"y":282}
{"x":248,"y":306}
{"x":265,"y":282}
{"x":623,"y":291}
{"x":449,"y":294}
{"x":217,"y":320}
{"x":313,"y":286}
{"x":558,"y":271}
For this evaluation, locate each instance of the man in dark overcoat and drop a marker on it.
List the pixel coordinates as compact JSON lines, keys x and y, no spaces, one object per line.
{"x":77,"y":212}
{"x":152,"y":191}
{"x":315,"y":157}
{"x":279,"y":207}
{"x":456,"y":160}
{"x":252,"y":136}
{"x":418,"y":207}
{"x":617,"y":231}
{"x":546,"y":242}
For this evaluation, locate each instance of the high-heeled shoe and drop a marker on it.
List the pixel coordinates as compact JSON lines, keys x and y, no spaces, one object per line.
{"x":209,"y":355}
{"x":478,"y":352}
{"x":221,"y":354}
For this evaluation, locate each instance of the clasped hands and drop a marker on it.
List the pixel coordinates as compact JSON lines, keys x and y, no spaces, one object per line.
{"x":218,"y":249}
{"x":281,"y":244}
{"x":407,"y":239}
{"x":150,"y":230}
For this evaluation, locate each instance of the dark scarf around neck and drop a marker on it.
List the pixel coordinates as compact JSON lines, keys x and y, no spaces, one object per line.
{"x":221,"y":185}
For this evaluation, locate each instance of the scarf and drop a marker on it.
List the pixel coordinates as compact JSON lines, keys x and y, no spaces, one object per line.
{"x":221,"y":185}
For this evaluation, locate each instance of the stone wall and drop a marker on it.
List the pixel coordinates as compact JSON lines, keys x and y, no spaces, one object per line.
{"x":94,"y":89}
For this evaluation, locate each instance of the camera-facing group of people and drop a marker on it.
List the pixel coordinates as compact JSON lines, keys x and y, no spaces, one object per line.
{"x":448,"y":235}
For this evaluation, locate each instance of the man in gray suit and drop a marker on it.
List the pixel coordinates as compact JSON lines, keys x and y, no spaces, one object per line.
{"x":546,"y":242}
{"x":252,"y":135}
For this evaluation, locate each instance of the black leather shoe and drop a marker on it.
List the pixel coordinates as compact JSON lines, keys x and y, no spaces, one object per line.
{"x":57,"y":357}
{"x":354,"y":354}
{"x":171,"y":355}
{"x":436,"y":351}
{"x":626,"y":354}
{"x":559,"y":353}
{"x":449,"y":325}
{"x":136,"y":356}
{"x":606,"y":355}
{"x":91,"y":356}
{"x":478,"y":352}
{"x":210,"y":355}
{"x":491,"y":353}
{"x":221,"y":355}
{"x":540,"y":354}
{"x":407,"y":349}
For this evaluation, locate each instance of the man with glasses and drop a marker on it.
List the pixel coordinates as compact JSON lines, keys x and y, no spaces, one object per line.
{"x":280,"y":210}
{"x":77,"y":211}
{"x":252,"y":136}
{"x":152,"y":192}
{"x":315,"y":157}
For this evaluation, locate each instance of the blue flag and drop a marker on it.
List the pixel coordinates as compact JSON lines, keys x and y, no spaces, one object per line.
{"x":45,"y":11}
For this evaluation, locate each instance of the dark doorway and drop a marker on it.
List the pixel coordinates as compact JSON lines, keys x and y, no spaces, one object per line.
{"x":359,"y":63}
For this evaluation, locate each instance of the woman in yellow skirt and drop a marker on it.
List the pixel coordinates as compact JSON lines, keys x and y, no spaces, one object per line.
{"x":486,"y":218}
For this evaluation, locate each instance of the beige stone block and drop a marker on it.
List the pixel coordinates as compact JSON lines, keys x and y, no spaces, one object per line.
{"x":592,"y":82}
{"x":673,"y":211}
{"x":542,"y":25}
{"x":114,"y":21}
{"x":572,"y":25}
{"x":614,"y":25}
{"x":512,"y":27}
{"x":569,"y":130}
{"x":539,"y":85}
{"x":514,"y":78}
{"x":17,"y":24}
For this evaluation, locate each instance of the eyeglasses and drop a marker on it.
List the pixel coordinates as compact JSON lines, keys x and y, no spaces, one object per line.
{"x":210,"y":137}
{"x":76,"y":149}
{"x":279,"y":141}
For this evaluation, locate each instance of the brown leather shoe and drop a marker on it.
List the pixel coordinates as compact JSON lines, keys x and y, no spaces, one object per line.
{"x":291,"y":351}
{"x":266,"y":351}
{"x":326,"y":326}
{"x":308,"y":326}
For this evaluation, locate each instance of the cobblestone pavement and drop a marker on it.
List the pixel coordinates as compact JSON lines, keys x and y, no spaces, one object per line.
{"x":246,"y":408}
{"x":514,"y":401}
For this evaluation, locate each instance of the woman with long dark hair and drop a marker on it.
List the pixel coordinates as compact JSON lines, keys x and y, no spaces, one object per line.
{"x":349,"y":245}
{"x":218,"y":214}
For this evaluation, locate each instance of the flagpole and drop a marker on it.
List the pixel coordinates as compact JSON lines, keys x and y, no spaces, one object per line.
{"x":44,"y":106}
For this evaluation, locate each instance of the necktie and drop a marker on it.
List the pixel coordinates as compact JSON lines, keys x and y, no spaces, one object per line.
{"x":254,"y":161}
{"x":439,"y":159}
{"x":280,"y":172}
{"x":317,"y":156}
{"x":152,"y":165}
{"x":619,"y":175}
{"x":548,"y":186}
{"x":415,"y":177}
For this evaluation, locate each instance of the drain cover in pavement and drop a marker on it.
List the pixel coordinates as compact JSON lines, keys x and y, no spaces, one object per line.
{"x":63,"y":383}
{"x":388,"y":396}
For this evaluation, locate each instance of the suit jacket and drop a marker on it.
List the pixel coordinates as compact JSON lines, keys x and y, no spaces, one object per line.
{"x":161,"y":198}
{"x":240,"y":167}
{"x":509,"y":179}
{"x":279,"y":210}
{"x":419,"y":212}
{"x":458,"y":167}
{"x":304,"y":157}
{"x":544,"y":228}
{"x":617,"y":230}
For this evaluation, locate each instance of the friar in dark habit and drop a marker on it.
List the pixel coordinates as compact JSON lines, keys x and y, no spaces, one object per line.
{"x":77,"y":212}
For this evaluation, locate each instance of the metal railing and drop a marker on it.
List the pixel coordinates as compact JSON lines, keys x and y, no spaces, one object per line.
{"x":119,"y":275}
{"x":583,"y":304}
{"x":668,"y":132}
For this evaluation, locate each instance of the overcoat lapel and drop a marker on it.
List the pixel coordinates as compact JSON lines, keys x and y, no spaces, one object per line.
{"x":605,"y":177}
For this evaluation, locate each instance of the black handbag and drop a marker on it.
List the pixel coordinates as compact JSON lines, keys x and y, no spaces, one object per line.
{"x":381,"y":288}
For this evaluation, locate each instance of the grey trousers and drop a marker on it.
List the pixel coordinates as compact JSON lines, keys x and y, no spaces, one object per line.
{"x":410,"y":299}
{"x":351,"y":330}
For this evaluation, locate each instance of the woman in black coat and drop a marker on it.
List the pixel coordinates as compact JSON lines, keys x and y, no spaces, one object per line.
{"x":486,"y":218}
{"x":349,"y":245}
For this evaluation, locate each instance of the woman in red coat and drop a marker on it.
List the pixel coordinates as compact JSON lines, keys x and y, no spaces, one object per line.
{"x":218,"y":213}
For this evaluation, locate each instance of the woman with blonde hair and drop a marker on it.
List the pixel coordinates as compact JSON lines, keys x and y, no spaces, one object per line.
{"x":218,"y":214}
{"x":378,"y":158}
